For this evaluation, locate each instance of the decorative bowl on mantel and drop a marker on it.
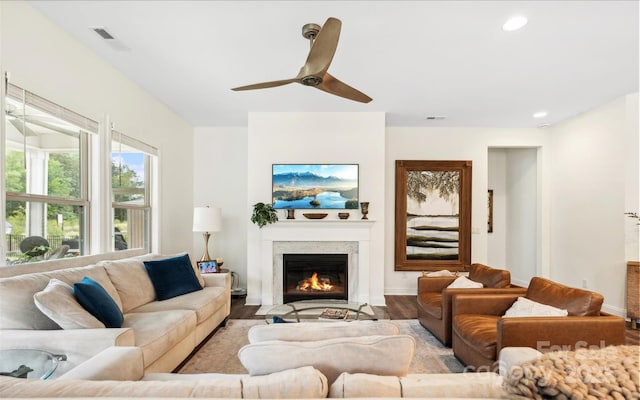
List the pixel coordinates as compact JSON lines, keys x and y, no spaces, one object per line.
{"x":343,"y":215}
{"x":315,"y":215}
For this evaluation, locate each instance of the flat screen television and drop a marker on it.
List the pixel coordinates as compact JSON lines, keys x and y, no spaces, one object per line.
{"x":315,"y":186}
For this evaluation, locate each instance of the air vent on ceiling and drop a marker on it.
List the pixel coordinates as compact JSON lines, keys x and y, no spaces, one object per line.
{"x":103,"y":33}
{"x":435,"y":118}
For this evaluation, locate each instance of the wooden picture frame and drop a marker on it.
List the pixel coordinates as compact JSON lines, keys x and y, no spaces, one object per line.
{"x":433,"y":215}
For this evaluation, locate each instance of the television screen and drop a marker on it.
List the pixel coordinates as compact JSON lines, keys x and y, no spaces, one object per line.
{"x":315,"y":186}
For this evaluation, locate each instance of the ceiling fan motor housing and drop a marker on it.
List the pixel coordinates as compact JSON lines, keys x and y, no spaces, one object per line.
{"x":311,"y":80}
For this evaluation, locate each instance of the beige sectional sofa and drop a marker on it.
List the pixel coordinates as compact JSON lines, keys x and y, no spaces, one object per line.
{"x":165,"y":331}
{"x":118,"y":372}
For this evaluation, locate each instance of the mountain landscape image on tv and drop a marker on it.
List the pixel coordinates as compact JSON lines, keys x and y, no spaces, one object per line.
{"x":315,"y":186}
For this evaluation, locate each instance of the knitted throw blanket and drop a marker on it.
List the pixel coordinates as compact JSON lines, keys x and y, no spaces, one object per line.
{"x":607,"y":373}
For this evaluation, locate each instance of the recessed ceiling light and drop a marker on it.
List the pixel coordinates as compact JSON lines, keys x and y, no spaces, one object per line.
{"x":540,"y":114}
{"x":514,"y":23}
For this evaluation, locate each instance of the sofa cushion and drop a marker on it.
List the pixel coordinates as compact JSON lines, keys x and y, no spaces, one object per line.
{"x":300,"y":383}
{"x":19,"y":311}
{"x":310,"y":331}
{"x":57,"y":302}
{"x":17,"y":308}
{"x":305,"y":382}
{"x":477,"y":385}
{"x":95,"y":272}
{"x":204,"y":302}
{"x":490,"y":277}
{"x":172,"y":277}
{"x":131,"y":280}
{"x":431,"y":303}
{"x":348,"y":386}
{"x":578,"y":302}
{"x":524,"y":307}
{"x":462,"y":282}
{"x":157,"y":332}
{"x":95,"y":299}
{"x":380,"y":355}
{"x":479,"y":332}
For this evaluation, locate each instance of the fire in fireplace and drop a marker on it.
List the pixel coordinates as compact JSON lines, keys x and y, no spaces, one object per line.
{"x":315,"y":276}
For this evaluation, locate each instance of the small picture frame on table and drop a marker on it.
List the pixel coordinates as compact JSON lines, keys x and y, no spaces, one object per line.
{"x":208,"y":267}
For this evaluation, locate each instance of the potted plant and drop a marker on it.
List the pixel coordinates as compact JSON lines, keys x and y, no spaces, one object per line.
{"x":263,"y":214}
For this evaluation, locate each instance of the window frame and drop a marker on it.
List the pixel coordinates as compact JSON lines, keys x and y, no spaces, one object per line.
{"x":83,"y":124}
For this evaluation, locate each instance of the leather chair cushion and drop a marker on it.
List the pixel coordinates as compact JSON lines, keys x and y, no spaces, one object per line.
{"x":479,"y":332}
{"x":578,"y":302}
{"x":431,"y":303}
{"x":490,"y":277}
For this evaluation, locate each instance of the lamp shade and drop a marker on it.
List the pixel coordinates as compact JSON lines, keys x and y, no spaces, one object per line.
{"x":207,"y":219}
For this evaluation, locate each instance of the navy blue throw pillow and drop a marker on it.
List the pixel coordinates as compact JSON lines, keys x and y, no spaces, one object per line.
{"x":93,"y":298}
{"x":172,"y":277}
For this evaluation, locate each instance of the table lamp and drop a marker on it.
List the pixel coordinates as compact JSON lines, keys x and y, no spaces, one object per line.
{"x":207,"y":220}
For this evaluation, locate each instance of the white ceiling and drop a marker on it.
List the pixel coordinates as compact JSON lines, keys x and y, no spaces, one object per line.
{"x":414,"y":58}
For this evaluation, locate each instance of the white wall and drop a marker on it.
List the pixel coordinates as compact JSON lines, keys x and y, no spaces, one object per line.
{"x":220,"y":180}
{"x":521,"y":243}
{"x":497,"y":181}
{"x":317,"y":138}
{"x":590,"y":186}
{"x":453,"y":144}
{"x":47,"y":61}
{"x":632,"y":179}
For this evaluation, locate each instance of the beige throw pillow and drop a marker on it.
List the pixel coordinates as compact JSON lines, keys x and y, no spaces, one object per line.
{"x":524,"y":307}
{"x":462,"y":282}
{"x":58,"y":303}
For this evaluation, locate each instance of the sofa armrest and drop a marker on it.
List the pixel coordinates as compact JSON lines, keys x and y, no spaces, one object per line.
{"x":77,"y":344}
{"x":111,"y":364}
{"x":560,"y":333}
{"x":490,"y":304}
{"x":222,"y":279}
{"x":434,"y":283}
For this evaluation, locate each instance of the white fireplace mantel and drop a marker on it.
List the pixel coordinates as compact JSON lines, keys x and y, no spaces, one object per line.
{"x":316,"y":231}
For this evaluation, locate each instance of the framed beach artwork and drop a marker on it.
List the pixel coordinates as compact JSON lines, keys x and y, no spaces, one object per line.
{"x":433,"y":215}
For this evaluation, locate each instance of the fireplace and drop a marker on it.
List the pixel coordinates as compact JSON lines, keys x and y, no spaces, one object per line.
{"x":314,"y":276}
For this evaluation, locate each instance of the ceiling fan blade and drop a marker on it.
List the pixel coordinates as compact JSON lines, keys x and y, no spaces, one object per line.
{"x":323,"y":48}
{"x":334,"y":86}
{"x":265,"y":85}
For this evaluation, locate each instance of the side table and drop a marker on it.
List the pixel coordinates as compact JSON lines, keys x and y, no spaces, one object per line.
{"x":29,"y":363}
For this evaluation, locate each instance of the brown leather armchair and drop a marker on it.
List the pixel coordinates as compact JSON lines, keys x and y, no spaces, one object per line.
{"x":480,"y":331}
{"x":434,"y":298}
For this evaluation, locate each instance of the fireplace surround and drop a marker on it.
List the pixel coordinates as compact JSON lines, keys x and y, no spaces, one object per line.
{"x":315,"y":237}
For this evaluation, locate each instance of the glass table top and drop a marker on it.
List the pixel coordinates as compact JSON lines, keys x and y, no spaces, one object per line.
{"x":28,"y":363}
{"x":312,"y":310}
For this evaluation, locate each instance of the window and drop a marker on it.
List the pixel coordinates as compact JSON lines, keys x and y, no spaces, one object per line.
{"x":131,"y":166}
{"x":46,"y":164}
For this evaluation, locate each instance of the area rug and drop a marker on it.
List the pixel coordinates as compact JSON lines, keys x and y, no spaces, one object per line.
{"x":219,"y":354}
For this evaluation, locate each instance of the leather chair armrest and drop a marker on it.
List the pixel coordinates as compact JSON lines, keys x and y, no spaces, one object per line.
{"x":448,"y":295}
{"x":488,"y":304}
{"x":560,"y":333}
{"x":434,"y":283}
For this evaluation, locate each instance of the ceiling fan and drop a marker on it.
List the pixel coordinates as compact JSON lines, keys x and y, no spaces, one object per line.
{"x":324,"y":41}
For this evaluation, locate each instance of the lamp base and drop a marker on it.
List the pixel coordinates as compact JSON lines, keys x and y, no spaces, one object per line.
{"x":205,"y":255}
